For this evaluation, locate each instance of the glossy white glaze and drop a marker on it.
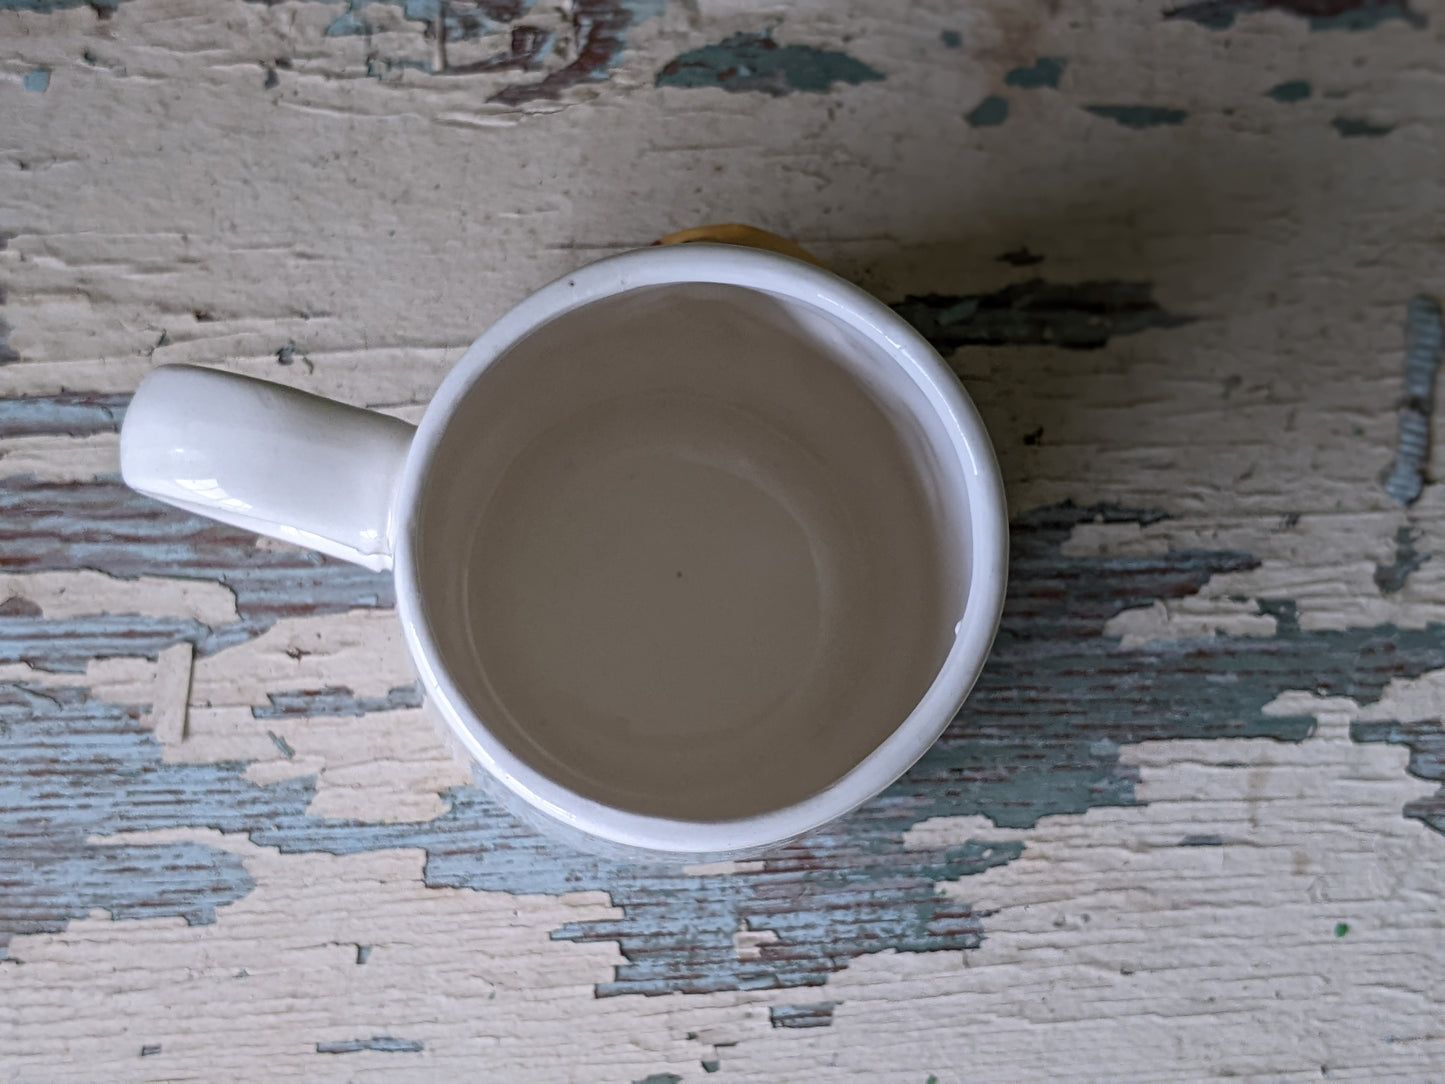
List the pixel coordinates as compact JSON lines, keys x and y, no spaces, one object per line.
{"x":269,"y":458}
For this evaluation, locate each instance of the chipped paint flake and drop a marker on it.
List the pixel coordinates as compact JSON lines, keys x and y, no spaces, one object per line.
{"x":71,"y":414}
{"x":1291,"y":91}
{"x":1075,"y":316}
{"x":336,"y":700}
{"x":8,"y":354}
{"x":1139,"y":116}
{"x":1360,"y":128}
{"x":1423,"y":343}
{"x":1190,"y":618}
{"x":815,"y":1014}
{"x":1044,"y":72}
{"x":69,"y":644}
{"x":1321,"y":14}
{"x":1409,"y":715}
{"x":381,"y":1044}
{"x":83,"y":593}
{"x":749,"y":945}
{"x":1391,"y":578}
{"x":755,"y":62}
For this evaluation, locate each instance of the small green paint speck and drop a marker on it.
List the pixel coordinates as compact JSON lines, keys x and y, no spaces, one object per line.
{"x":1359,"y":430}
{"x":931,"y":1079}
{"x":951,"y":39}
{"x":1341,"y":928}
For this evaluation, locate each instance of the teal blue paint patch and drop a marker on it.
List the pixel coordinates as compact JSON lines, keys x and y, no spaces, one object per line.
{"x":336,"y":700}
{"x":106,"y":527}
{"x":1043,"y":734}
{"x":7,"y":352}
{"x":1352,"y":15}
{"x":660,"y":1078}
{"x":1139,"y":116}
{"x":1426,"y":741}
{"x":1073,"y":316}
{"x":381,"y":1044}
{"x":1391,"y":578}
{"x":1367,"y":16}
{"x":1357,"y":127}
{"x":66,"y":645}
{"x":1294,"y":90}
{"x":70,"y":414}
{"x":76,"y":769}
{"x":1424,"y":738}
{"x":1424,"y":351}
{"x":377,"y":68}
{"x":951,"y":39}
{"x":37,"y":81}
{"x":754,"y":62}
{"x":846,"y":890}
{"x":817,"y":1014}
{"x":347,"y":24}
{"x":1044,"y":72}
{"x":989,"y":113}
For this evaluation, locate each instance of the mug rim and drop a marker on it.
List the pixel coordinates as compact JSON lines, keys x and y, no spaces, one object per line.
{"x":792,"y":279}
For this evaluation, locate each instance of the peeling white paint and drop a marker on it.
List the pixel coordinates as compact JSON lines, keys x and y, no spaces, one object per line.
{"x":84,"y":594}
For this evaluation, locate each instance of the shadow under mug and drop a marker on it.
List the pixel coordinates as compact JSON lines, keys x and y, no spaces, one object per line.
{"x":695,"y":549}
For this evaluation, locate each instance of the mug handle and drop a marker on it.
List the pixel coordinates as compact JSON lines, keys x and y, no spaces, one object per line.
{"x":267,"y":458}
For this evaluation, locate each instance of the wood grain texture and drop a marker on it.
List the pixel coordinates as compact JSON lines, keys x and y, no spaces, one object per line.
{"x":1188,"y":827}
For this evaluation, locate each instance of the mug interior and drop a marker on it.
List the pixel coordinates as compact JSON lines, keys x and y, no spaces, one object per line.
{"x":693,"y":551}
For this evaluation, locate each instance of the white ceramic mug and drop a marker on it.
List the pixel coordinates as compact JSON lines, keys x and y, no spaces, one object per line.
{"x":696,"y":548}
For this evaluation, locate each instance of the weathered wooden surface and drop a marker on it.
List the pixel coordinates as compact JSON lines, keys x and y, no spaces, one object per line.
{"x":1190,"y":824}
